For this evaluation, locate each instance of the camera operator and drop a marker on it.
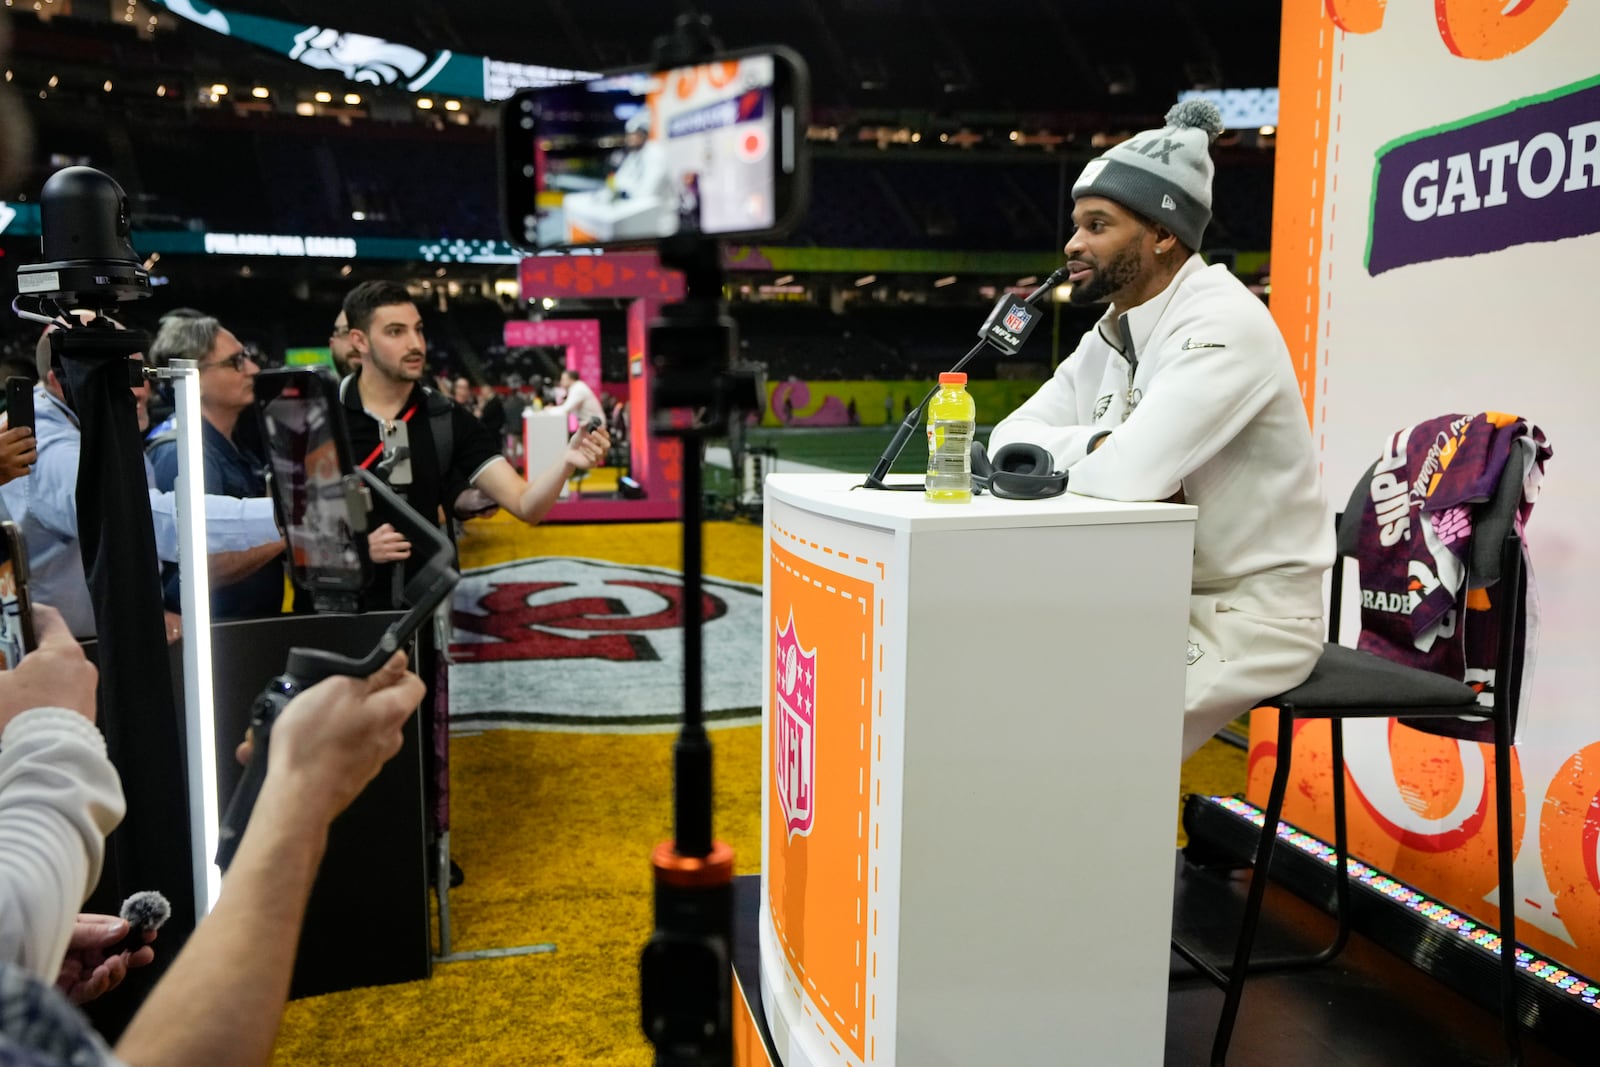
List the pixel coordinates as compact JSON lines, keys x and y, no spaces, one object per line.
{"x":221,"y":1000}
{"x":45,"y":508}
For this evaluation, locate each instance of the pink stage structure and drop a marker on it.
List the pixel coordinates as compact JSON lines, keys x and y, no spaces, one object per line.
{"x":656,"y":463}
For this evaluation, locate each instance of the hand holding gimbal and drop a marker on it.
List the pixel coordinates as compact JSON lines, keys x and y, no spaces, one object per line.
{"x":308,"y":666}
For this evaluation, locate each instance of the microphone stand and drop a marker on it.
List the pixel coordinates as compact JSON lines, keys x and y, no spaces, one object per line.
{"x":913,"y":419}
{"x":907,"y":427}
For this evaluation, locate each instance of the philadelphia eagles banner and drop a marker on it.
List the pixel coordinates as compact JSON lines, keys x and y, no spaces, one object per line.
{"x":373,"y":60}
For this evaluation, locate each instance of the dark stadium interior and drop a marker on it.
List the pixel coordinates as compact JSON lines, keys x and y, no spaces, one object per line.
{"x":1025,"y":97}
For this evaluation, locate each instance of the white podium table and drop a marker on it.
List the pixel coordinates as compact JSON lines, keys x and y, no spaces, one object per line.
{"x":972,"y":722}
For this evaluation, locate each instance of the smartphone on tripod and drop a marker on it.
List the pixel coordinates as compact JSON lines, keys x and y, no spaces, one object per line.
{"x":713,"y":148}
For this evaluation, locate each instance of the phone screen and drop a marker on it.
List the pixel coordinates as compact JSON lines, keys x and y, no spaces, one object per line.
{"x":711,"y":148}
{"x":16,"y":610}
{"x":313,"y":479}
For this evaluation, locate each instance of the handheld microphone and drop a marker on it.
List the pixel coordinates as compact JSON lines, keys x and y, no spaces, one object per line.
{"x":143,"y":911}
{"x":1008,"y":325}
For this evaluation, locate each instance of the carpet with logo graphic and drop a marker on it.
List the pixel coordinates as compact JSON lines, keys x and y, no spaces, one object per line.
{"x":594,"y":644}
{"x":565,"y":634}
{"x":562,"y":631}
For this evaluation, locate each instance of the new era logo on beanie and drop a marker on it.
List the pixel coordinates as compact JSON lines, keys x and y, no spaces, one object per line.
{"x":1164,"y":175}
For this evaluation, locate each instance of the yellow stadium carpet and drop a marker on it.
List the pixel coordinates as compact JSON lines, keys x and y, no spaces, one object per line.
{"x":554,"y":831}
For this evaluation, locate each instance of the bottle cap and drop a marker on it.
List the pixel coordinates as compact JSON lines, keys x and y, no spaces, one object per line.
{"x":953,"y":377}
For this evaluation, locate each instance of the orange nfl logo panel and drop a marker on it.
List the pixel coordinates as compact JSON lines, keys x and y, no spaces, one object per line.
{"x":821,"y":630}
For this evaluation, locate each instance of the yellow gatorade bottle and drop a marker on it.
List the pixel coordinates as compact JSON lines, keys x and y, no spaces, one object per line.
{"x":952,"y":423}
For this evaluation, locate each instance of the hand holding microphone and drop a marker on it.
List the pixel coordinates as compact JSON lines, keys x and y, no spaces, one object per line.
{"x":589,"y":445}
{"x":97,"y":960}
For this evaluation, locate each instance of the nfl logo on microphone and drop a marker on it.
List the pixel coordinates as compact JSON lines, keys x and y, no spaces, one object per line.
{"x":1017,"y":317}
{"x":795,"y":750}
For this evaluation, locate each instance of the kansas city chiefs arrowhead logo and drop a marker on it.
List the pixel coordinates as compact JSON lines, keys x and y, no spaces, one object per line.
{"x":584,"y":643}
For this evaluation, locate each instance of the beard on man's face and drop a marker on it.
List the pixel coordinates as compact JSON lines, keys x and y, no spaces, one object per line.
{"x":1108,"y":278}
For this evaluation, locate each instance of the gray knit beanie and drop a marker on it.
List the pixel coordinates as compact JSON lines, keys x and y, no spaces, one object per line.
{"x":1165,"y":174}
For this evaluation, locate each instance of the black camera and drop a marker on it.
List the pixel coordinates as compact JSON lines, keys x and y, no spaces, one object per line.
{"x":89,"y":261}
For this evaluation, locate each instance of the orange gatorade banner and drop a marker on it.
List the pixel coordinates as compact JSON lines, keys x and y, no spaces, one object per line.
{"x":1422,"y":149}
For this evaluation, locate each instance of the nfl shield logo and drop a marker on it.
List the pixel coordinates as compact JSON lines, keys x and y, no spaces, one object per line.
{"x":794,"y":681}
{"x":1017,"y":317}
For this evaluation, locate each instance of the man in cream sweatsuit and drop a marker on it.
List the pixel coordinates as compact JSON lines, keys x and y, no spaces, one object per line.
{"x":1184,"y":391}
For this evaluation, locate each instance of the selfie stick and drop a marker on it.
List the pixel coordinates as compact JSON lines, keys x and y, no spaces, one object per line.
{"x":308,"y":666}
{"x":686,"y":970}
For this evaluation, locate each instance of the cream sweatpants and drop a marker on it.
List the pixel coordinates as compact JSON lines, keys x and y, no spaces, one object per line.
{"x":1237,"y":658}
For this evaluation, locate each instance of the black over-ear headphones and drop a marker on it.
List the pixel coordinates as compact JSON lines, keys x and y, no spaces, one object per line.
{"x":1019,"y":471}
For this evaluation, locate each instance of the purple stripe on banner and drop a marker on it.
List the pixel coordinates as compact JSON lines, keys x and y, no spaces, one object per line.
{"x":1523,"y":175}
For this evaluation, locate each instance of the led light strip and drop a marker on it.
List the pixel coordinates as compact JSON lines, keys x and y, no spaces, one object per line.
{"x":1481,"y":937}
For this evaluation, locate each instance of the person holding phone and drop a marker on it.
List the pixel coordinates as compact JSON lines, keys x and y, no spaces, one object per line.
{"x":59,"y":797}
{"x":18,"y":451}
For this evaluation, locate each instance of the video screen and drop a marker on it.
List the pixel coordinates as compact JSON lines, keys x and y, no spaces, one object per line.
{"x":641,"y":156}
{"x":311,"y":490}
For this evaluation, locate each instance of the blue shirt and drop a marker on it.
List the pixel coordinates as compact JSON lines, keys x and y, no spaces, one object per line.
{"x":44,"y":506}
{"x":228,"y":472}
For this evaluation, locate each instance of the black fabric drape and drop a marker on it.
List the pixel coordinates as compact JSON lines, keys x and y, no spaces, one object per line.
{"x":138,"y":713}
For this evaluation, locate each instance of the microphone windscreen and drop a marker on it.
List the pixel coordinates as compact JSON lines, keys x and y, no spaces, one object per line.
{"x":146,"y":910}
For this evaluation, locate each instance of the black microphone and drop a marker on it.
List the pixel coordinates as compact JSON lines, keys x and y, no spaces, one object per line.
{"x":1008,"y":325}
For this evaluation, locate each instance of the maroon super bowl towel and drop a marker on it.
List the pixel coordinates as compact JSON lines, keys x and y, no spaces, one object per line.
{"x":1427,"y":493}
